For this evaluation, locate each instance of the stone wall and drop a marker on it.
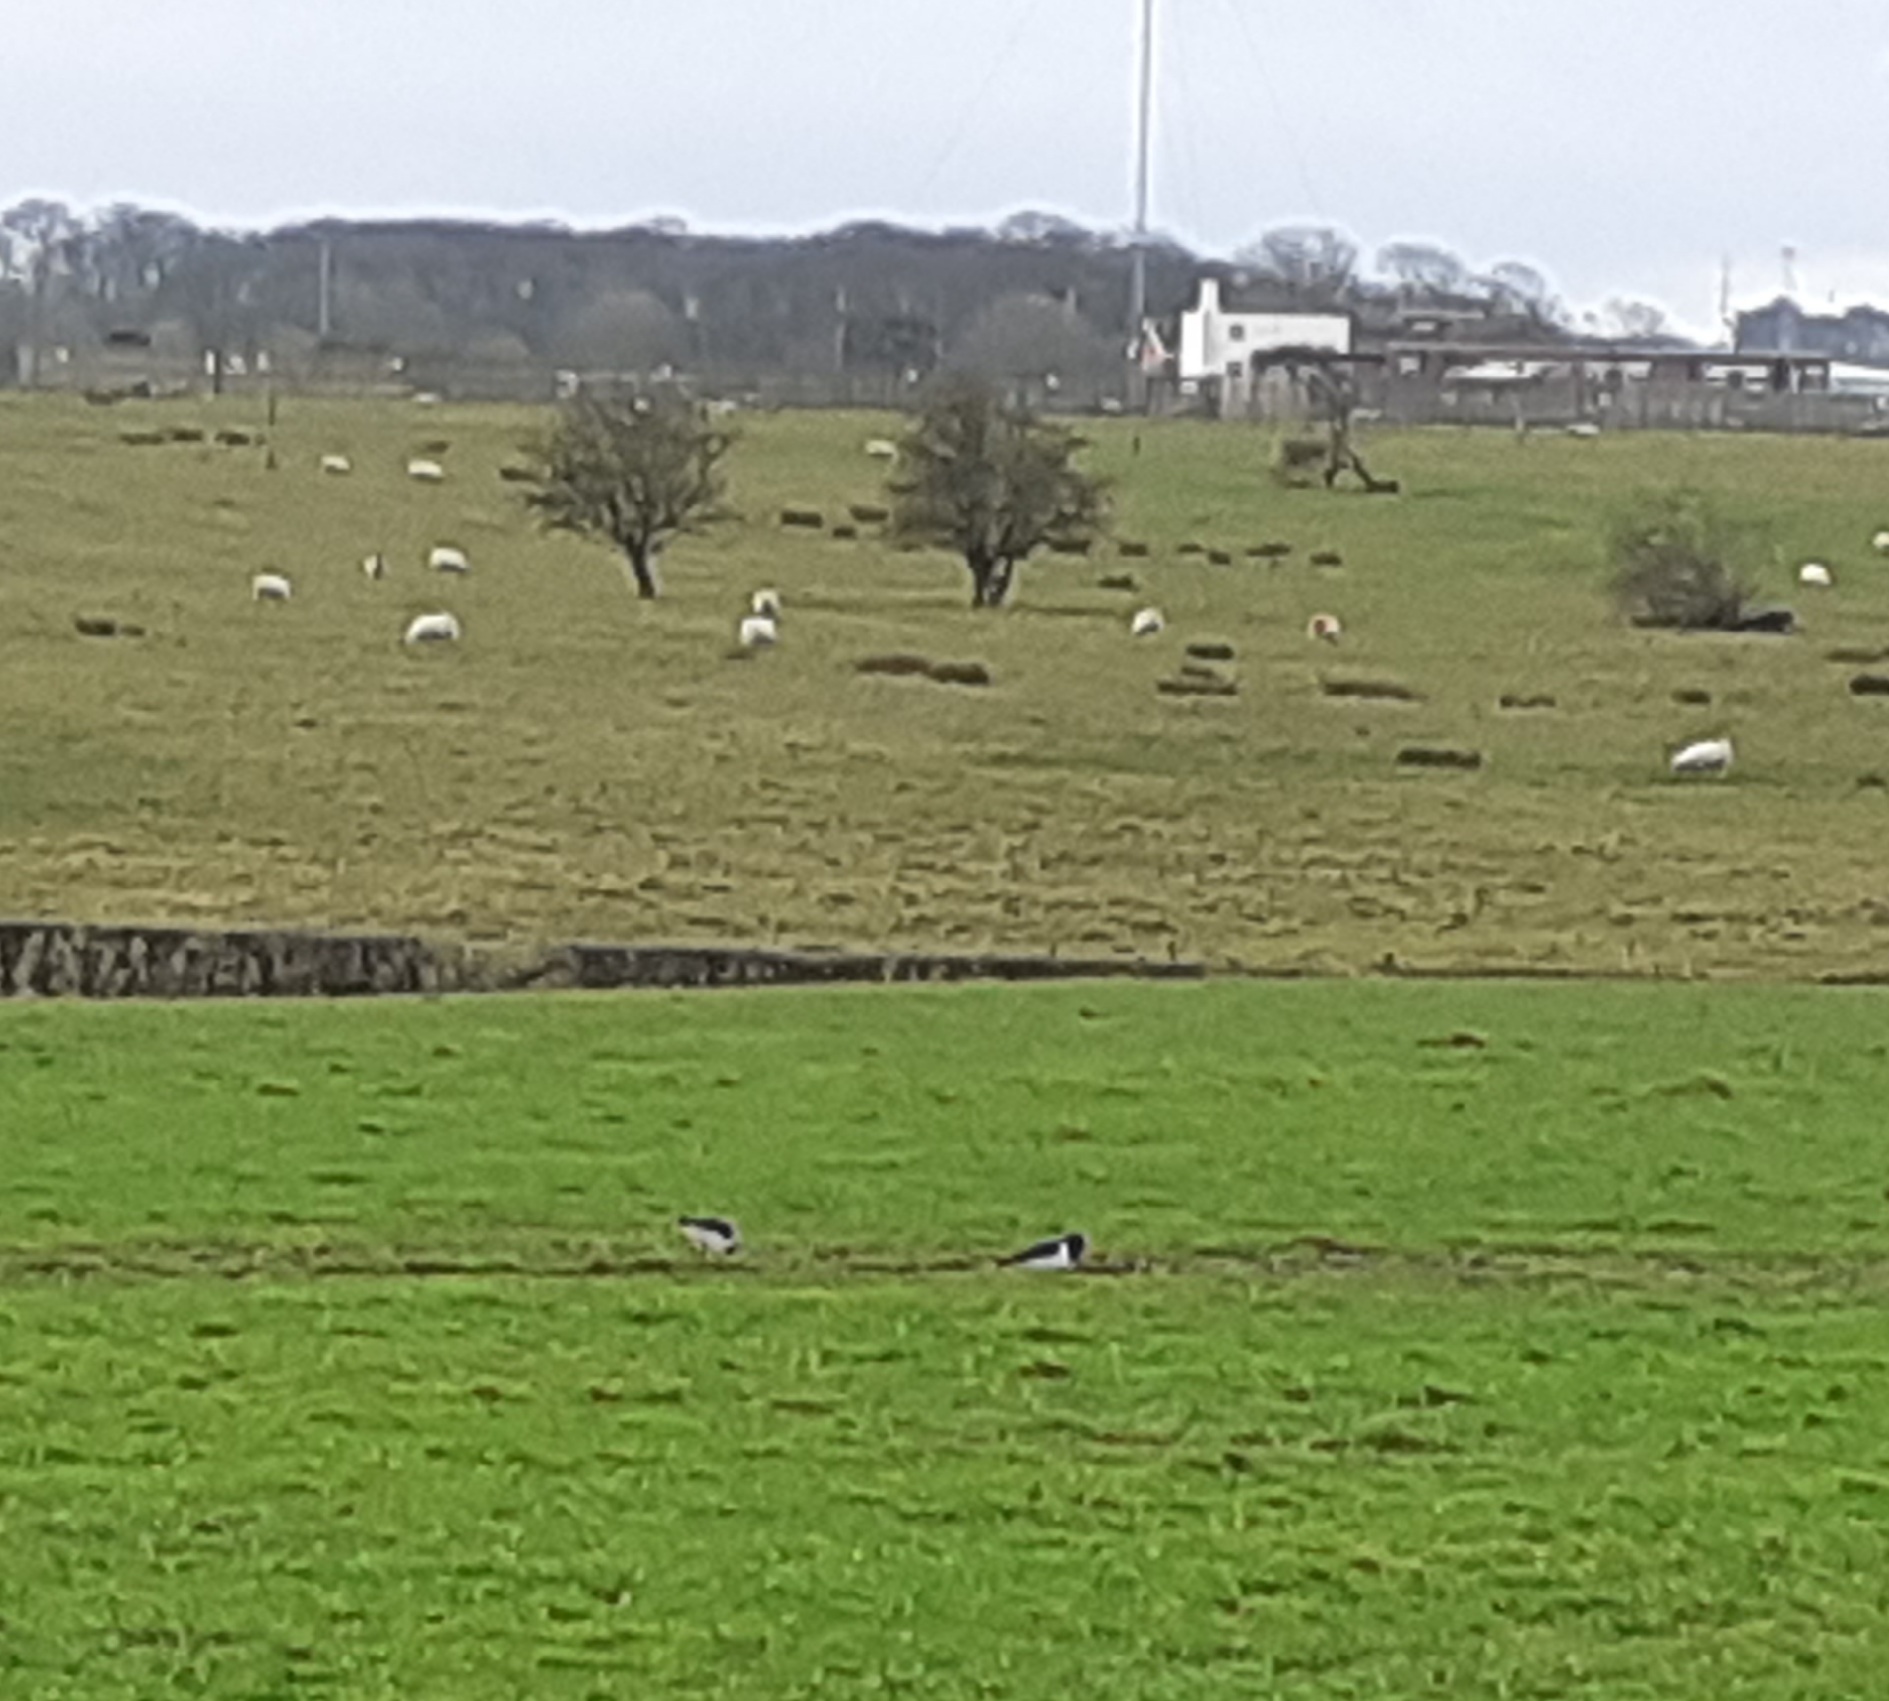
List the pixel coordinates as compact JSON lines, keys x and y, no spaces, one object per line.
{"x":64,"y":960}
{"x":602,"y":966}
{"x":61,"y":960}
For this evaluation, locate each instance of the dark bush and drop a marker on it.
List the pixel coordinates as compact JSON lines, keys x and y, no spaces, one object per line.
{"x":1381,"y":690}
{"x":1196,"y":687}
{"x":1437,"y":756}
{"x":1675,"y":559}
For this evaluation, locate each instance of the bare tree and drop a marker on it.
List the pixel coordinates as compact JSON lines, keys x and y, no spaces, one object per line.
{"x":1635,"y":321}
{"x":992,"y":483}
{"x":623,"y":330}
{"x":39,"y":241}
{"x":1031,"y":336}
{"x":1335,"y":396}
{"x":1423,"y":267}
{"x":1313,"y":261}
{"x":630,"y":471}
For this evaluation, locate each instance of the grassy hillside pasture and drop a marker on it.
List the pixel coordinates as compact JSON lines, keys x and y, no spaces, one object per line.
{"x":585,"y":766}
{"x":1456,"y":1339}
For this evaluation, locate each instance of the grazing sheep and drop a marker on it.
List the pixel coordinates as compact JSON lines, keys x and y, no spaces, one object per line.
{"x":432,"y":629}
{"x":427,"y":472}
{"x":1707,"y":756}
{"x":336,"y":464}
{"x":1146,"y":623}
{"x":1325,"y":626}
{"x":767,"y":603}
{"x":270,"y":587}
{"x":1880,"y":543}
{"x":758,"y":632}
{"x":1813,"y":573}
{"x":446,"y":559}
{"x":374,"y":566}
{"x":882,"y":449}
{"x":1584,"y":428}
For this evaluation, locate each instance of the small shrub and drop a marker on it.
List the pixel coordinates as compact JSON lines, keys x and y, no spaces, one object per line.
{"x":1297,"y":462}
{"x":1675,"y":564}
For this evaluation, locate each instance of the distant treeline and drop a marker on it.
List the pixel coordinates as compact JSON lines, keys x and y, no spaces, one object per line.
{"x":1037,"y":294}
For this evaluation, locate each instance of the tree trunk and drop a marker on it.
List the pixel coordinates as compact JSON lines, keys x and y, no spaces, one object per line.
{"x":990,"y":581}
{"x":639,"y":569}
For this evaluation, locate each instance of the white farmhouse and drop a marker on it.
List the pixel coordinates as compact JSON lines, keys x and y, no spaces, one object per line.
{"x":1216,"y":344}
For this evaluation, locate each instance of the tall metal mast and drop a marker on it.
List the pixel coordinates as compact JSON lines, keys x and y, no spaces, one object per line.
{"x":1138,"y":284}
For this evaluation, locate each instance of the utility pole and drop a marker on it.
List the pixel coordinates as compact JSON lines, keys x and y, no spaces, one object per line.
{"x":324,"y":290}
{"x":1138,"y":277}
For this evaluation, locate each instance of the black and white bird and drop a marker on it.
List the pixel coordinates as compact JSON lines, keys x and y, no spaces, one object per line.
{"x":716,"y":1236}
{"x":1065,"y":1252}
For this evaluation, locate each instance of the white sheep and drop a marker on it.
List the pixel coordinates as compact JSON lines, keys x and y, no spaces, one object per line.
{"x":882,"y":449}
{"x":336,"y":464}
{"x":1707,"y":756}
{"x":1326,"y":627}
{"x":446,"y":559}
{"x":767,"y":603}
{"x":432,"y":629}
{"x":427,"y":472}
{"x":1880,"y":543}
{"x":1813,"y":573}
{"x":1584,"y":428}
{"x":270,"y":587}
{"x":374,"y":566}
{"x":1146,"y":623}
{"x":758,"y":632}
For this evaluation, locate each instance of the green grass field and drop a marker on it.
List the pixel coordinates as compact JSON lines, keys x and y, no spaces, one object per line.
{"x":1467,"y":1340}
{"x":587,"y":767}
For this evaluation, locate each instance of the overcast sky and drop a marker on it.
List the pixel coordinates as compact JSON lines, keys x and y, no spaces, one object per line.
{"x":1623,"y":146}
